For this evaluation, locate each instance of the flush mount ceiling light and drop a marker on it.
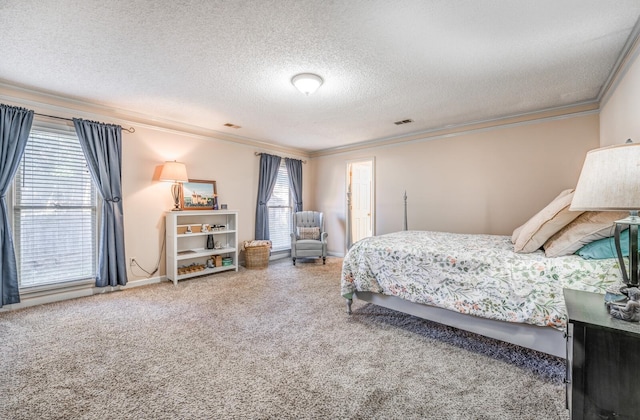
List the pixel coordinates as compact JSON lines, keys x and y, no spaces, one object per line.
{"x":307,"y":83}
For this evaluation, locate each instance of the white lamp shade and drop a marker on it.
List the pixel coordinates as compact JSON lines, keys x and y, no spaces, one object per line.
{"x":174,"y":172}
{"x":307,"y":83}
{"x":610,"y":180}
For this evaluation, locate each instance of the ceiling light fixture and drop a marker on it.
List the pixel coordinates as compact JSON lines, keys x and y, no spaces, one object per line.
{"x":307,"y":83}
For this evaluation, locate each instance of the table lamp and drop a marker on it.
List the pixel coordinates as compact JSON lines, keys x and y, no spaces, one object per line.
{"x":610,"y":181}
{"x":175,"y":172}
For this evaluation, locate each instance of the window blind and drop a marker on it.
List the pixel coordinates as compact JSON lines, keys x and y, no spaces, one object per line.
{"x":55,"y":211}
{"x":280,"y":209}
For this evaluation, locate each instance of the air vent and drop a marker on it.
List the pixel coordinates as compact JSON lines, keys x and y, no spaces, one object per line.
{"x":232,"y":125}
{"x":403,"y":122}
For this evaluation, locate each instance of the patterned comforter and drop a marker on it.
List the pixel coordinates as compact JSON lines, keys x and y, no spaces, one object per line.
{"x":479,"y":275}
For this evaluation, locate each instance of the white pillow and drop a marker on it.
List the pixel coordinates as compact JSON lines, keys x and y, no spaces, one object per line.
{"x":516,"y":232}
{"x":588,"y":227}
{"x":545,"y":223}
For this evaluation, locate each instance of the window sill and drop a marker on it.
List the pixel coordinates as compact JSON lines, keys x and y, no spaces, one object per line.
{"x":55,"y":288}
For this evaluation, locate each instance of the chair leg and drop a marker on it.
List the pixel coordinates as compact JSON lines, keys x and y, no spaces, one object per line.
{"x":324,"y":259}
{"x":294,"y":261}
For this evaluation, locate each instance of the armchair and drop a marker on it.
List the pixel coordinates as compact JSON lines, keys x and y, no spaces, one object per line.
{"x":308,"y":240}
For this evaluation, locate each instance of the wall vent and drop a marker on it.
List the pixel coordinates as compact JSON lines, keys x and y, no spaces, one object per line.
{"x":232,"y":125}
{"x":407,"y":121}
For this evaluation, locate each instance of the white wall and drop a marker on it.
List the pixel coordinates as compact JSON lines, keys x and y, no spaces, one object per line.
{"x":480,"y":182}
{"x":232,"y":165}
{"x":620,"y":112}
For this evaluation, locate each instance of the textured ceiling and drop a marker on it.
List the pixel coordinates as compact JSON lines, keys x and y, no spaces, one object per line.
{"x":210,"y":62}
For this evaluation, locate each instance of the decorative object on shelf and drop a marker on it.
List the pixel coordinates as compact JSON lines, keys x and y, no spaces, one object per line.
{"x":210,"y":263}
{"x":614,"y":293}
{"x":629,"y":310}
{"x":223,"y":206}
{"x":609,"y":182}
{"x":218,"y":245}
{"x":175,"y":172}
{"x":210,"y":244}
{"x":227,"y":261}
{"x":198,"y":194}
{"x":188,"y":229}
{"x":192,"y":268}
{"x":307,"y":83}
{"x":204,"y":228}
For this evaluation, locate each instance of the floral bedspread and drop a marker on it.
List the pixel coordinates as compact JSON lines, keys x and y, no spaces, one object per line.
{"x":479,"y":275}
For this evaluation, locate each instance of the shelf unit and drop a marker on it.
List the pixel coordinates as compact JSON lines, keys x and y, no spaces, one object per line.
{"x":188,"y":249}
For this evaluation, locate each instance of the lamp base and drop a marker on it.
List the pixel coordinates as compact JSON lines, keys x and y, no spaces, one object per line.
{"x":176,"y":190}
{"x":631,"y":277}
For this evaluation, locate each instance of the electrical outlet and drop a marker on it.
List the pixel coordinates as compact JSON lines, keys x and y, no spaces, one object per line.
{"x":132,"y":261}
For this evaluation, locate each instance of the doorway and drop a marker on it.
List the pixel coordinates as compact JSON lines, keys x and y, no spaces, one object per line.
{"x":360,"y":200}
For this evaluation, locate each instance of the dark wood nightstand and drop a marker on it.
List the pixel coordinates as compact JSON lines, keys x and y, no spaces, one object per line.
{"x":603,"y":360}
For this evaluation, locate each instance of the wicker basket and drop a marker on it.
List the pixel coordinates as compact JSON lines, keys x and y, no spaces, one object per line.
{"x":257,"y":256}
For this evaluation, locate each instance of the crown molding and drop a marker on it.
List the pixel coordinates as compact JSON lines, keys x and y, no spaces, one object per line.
{"x":550,"y":114}
{"x":48,"y":102}
{"x":626,"y":58}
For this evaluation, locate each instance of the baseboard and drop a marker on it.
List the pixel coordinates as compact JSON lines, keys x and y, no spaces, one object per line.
{"x":73,"y":292}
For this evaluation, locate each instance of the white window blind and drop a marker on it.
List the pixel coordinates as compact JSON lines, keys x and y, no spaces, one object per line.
{"x":55,"y":211}
{"x":279,"y":206}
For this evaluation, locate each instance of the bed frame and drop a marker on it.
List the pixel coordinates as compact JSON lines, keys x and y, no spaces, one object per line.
{"x":545,"y":339}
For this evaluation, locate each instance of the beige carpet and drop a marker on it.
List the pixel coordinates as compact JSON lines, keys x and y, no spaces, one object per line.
{"x":274,"y":343}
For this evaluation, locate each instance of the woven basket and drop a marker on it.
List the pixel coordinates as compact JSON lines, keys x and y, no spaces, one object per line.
{"x":257,"y":256}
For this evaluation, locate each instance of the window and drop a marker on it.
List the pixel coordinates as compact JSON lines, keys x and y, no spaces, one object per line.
{"x":279,"y":207}
{"x":55,"y":211}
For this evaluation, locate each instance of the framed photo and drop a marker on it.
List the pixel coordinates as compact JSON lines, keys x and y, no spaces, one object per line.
{"x":198,"y":194}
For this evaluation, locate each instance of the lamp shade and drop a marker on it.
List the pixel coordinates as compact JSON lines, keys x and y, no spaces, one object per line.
{"x":307,"y":83}
{"x":174,"y":172}
{"x":610,"y":180}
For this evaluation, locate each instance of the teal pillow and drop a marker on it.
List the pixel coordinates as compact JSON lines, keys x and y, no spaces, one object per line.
{"x":605,"y":248}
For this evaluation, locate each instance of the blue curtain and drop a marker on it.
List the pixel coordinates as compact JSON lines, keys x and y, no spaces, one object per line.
{"x":15,"y":125}
{"x":102,"y":147}
{"x":269,"y":166}
{"x":294,"y":168}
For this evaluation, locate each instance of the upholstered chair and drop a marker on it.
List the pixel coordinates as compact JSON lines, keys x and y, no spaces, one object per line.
{"x":308,"y":240}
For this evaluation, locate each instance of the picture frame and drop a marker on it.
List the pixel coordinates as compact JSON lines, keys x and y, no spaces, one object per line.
{"x":199,"y":194}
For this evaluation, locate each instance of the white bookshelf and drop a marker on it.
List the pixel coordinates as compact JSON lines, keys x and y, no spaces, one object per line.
{"x":187,"y":252}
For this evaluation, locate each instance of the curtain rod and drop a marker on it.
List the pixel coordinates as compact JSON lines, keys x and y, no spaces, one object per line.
{"x":258,"y":154}
{"x":130,"y":129}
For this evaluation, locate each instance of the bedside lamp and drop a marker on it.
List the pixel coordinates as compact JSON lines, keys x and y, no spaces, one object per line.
{"x":175,"y":172}
{"x":610,"y":181}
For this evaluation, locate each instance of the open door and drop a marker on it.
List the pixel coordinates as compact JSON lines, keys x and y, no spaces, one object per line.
{"x":360,"y":200}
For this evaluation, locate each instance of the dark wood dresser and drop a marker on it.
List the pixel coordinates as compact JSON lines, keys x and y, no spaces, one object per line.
{"x":603,"y":360}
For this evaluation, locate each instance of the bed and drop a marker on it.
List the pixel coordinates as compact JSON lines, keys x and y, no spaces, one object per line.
{"x":473,"y":282}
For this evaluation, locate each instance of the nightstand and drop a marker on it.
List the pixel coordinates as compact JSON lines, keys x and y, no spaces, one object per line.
{"x":603,"y":360}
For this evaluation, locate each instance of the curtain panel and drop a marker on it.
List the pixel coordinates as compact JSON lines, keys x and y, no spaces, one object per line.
{"x":102,"y":147}
{"x":294,"y":168}
{"x":15,"y":126}
{"x":269,"y":165}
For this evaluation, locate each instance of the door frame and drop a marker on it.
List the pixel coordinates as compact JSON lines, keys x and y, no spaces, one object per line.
{"x":347,"y":237}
